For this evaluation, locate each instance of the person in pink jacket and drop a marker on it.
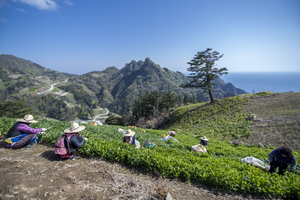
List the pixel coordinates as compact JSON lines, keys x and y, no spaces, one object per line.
{"x":21,"y":134}
{"x":68,"y":143}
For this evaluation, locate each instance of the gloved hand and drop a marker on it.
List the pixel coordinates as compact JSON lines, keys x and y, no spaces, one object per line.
{"x":44,"y":133}
{"x":44,"y":129}
{"x":85,"y":139}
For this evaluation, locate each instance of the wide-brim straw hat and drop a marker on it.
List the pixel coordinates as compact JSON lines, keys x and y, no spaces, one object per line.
{"x":27,"y":119}
{"x":129,"y":133}
{"x":74,"y":128}
{"x":171,"y":132}
{"x":204,"y":138}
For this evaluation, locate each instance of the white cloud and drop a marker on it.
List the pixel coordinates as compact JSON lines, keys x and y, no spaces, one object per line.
{"x":68,"y":2}
{"x":21,"y":9}
{"x":40,"y":4}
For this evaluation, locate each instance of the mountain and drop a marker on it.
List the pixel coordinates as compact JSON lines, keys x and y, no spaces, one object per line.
{"x":12,"y":66}
{"x":75,"y":96}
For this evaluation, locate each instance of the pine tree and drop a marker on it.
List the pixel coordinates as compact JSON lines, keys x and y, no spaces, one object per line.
{"x":204,"y":72}
{"x":15,"y":109}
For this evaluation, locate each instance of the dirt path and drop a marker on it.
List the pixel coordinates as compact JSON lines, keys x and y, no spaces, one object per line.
{"x":36,"y":173}
{"x":52,"y":87}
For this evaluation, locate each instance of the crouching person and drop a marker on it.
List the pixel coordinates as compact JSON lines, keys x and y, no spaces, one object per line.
{"x":171,"y":133}
{"x":129,"y":137}
{"x":67,"y":145}
{"x":204,"y":141}
{"x":281,"y":158}
{"x":21,"y":134}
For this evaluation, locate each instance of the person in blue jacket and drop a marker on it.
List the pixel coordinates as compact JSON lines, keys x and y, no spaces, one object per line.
{"x":281,"y":158}
{"x":69,"y":142}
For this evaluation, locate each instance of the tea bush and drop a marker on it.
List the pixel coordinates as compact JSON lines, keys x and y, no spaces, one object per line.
{"x":221,"y":167}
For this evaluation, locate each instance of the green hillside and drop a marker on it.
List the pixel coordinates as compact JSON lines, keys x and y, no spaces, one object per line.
{"x":71,"y":97}
{"x":222,"y":120}
{"x":276,"y":123}
{"x":221,"y":167}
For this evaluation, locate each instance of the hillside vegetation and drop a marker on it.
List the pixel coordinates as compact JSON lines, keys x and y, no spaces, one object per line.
{"x":222,"y":122}
{"x":76,"y":96}
{"x":277,"y":119}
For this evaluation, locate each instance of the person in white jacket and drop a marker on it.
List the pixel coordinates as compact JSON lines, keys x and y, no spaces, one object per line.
{"x":129,"y":137}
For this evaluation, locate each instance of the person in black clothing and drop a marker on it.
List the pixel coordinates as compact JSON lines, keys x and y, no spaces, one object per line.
{"x":204,"y":141}
{"x":69,"y":142}
{"x":281,"y":158}
{"x":21,"y":134}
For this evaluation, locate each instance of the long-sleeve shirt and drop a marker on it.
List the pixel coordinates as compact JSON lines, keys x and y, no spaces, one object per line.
{"x":75,"y":142}
{"x":275,"y":156}
{"x":20,"y":128}
{"x":27,"y":129}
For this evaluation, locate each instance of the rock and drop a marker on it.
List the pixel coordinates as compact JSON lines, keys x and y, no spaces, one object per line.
{"x":169,"y":197}
{"x":260,"y":145}
{"x":156,"y":173}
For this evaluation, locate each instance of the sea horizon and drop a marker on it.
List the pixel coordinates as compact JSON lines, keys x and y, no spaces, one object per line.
{"x":253,"y":82}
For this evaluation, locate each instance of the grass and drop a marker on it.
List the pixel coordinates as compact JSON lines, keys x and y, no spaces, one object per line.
{"x":221,"y":122}
{"x":277,"y":119}
{"x":33,"y":89}
{"x":55,"y":90}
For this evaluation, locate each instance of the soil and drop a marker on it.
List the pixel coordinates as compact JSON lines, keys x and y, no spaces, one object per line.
{"x":36,"y":173}
{"x":277,"y":120}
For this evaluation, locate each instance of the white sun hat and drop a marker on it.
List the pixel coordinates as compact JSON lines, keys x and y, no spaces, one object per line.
{"x":74,"y":128}
{"x":27,"y":119}
{"x":129,"y":133}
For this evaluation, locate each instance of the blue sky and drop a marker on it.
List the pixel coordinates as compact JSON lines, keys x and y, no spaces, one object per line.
{"x":79,"y":36}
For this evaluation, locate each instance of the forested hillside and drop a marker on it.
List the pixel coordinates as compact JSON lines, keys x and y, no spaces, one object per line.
{"x":67,"y":97}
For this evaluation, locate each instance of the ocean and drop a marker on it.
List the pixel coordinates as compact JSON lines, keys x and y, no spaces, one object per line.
{"x":253,"y":82}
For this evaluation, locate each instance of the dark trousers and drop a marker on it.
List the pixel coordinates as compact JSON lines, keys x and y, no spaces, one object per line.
{"x":281,"y":165}
{"x":24,"y":141}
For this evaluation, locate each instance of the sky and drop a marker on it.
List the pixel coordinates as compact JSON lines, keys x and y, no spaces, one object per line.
{"x":79,"y":36}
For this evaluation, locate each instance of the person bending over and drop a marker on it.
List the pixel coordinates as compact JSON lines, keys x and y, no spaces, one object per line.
{"x":281,"y":158}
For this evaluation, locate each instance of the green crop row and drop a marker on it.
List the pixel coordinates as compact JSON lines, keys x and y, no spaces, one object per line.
{"x":221,"y":167}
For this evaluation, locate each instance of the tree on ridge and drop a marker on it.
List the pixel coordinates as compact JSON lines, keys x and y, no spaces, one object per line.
{"x":203,"y":71}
